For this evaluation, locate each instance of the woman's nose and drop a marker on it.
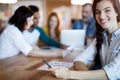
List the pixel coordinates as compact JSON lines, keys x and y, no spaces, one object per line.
{"x":102,"y":15}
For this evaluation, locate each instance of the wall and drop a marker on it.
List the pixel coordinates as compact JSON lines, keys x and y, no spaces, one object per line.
{"x":51,"y":4}
{"x":4,"y":12}
{"x":75,"y":9}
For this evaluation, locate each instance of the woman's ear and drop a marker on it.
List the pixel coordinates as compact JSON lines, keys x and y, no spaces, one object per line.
{"x":25,"y":24}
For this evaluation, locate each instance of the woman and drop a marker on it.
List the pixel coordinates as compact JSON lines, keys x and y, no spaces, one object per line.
{"x":107,"y":16}
{"x":12,"y":41}
{"x":36,"y":33}
{"x":53,"y":25}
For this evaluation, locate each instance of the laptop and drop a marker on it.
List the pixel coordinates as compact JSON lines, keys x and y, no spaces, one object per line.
{"x":72,"y":37}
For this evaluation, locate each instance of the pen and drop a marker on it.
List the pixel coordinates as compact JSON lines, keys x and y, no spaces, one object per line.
{"x":46,"y":63}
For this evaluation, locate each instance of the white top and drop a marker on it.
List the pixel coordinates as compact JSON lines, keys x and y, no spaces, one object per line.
{"x":109,"y":55}
{"x":88,"y":54}
{"x":12,"y":43}
{"x":31,"y":37}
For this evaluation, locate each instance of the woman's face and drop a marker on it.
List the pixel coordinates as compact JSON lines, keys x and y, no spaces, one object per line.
{"x":105,"y":14}
{"x":53,"y":22}
{"x":29,"y":22}
{"x":36,"y":18}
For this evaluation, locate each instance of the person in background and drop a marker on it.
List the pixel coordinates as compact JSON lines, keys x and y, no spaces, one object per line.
{"x":87,"y":23}
{"x":36,"y":33}
{"x":53,"y":26}
{"x":107,"y":46}
{"x":12,"y":41}
{"x":2,"y":25}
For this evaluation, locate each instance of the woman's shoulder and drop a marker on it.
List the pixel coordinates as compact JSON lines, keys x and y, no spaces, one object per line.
{"x":11,"y":28}
{"x":11,"y":32}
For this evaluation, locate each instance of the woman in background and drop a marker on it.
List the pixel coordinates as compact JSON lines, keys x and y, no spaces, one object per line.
{"x":12,"y":41}
{"x":53,"y":26}
{"x":107,"y":16}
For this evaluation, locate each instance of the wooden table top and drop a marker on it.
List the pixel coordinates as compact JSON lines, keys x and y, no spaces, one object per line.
{"x":21,"y":67}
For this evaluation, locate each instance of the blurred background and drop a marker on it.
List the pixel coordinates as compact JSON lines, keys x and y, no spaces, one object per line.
{"x":66,"y":9}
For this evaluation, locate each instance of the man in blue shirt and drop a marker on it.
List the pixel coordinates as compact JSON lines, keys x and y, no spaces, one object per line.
{"x":87,"y":23}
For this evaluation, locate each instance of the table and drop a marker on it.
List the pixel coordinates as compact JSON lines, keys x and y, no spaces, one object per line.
{"x":21,"y":67}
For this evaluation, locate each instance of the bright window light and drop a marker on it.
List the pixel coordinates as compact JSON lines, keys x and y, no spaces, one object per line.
{"x":8,"y":1}
{"x":80,"y":2}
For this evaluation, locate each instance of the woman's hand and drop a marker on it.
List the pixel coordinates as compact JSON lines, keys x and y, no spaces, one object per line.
{"x":80,"y":66}
{"x":60,"y":72}
{"x":62,"y":46}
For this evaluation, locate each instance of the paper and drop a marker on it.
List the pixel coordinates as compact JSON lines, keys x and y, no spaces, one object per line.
{"x":56,"y":64}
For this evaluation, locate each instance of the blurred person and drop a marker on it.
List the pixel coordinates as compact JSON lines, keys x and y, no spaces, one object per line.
{"x":53,"y":26}
{"x":87,"y":23}
{"x":12,"y":41}
{"x":36,"y":33}
{"x":2,"y":25}
{"x":104,"y":50}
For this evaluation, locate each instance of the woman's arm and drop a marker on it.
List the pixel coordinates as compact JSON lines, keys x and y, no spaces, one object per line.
{"x":37,"y":52}
{"x":82,"y":75}
{"x":88,"y":75}
{"x":46,"y":39}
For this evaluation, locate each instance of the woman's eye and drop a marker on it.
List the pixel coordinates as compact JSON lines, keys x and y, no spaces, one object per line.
{"x":107,"y":10}
{"x":97,"y":12}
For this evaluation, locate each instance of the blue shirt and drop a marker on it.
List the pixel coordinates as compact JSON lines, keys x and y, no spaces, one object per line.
{"x":91,"y":28}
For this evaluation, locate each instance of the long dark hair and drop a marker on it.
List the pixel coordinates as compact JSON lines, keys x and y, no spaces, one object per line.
{"x":20,"y":16}
{"x":99,"y":29}
{"x":57,"y":27}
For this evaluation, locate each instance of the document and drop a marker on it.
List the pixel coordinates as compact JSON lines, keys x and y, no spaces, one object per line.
{"x":56,"y":64}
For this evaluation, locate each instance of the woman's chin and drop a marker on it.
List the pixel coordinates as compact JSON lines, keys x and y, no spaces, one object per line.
{"x":104,"y":26}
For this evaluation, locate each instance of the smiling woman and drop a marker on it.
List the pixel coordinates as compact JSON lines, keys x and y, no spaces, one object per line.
{"x":106,"y":44}
{"x":106,"y":16}
{"x":53,"y":25}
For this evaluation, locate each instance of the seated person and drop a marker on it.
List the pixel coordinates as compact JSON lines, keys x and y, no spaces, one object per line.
{"x":87,"y":22}
{"x":12,"y":41}
{"x":53,"y":26}
{"x":104,"y":50}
